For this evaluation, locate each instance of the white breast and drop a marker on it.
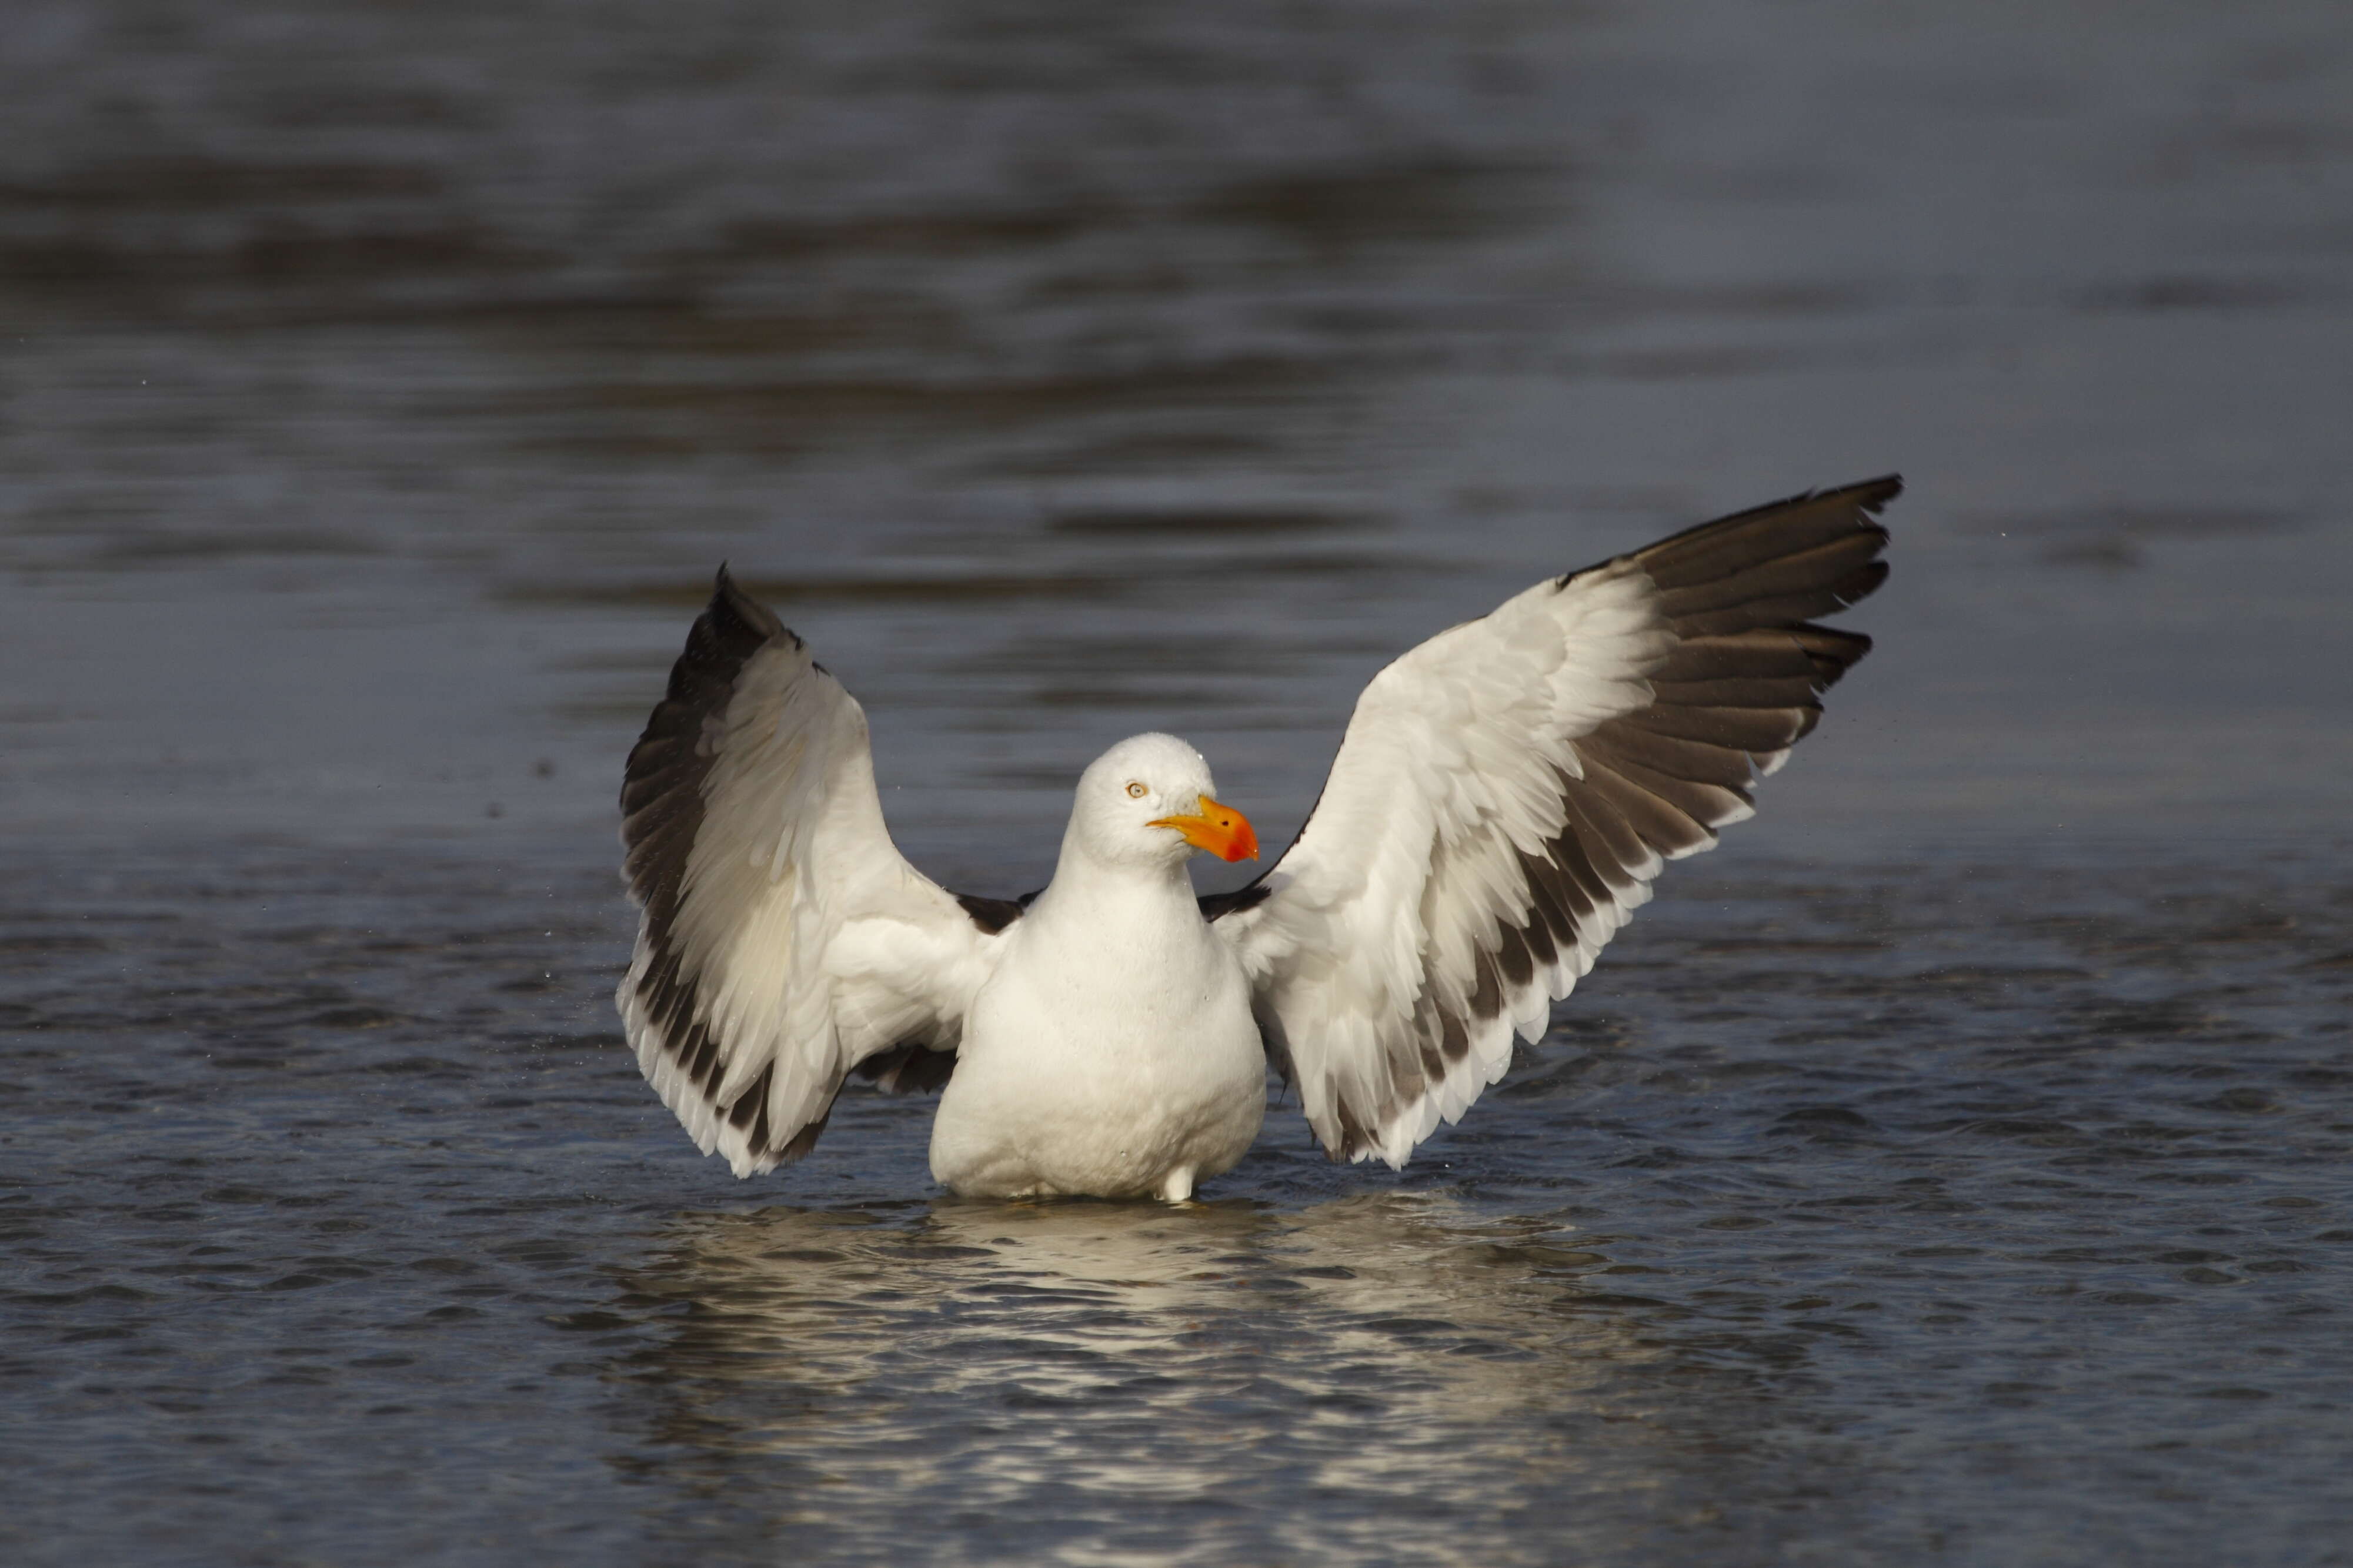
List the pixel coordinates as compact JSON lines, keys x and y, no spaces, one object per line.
{"x":1112,"y":1053}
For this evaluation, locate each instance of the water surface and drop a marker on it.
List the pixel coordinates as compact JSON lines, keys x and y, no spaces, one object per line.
{"x":1952,"y":1169}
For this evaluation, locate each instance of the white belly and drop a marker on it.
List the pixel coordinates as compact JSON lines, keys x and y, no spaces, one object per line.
{"x":1134,"y":1075}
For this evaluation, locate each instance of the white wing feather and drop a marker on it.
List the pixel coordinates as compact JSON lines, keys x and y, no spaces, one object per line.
{"x":783,"y":940}
{"x":1506,"y":792}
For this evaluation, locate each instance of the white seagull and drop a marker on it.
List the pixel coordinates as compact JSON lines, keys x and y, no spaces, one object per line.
{"x":1503,"y":797}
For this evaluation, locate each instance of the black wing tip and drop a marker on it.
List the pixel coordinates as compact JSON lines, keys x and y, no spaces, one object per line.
{"x":1864,"y":583}
{"x":662,"y":779}
{"x":729,"y":602}
{"x":1833,"y":649}
{"x":1873,"y":495}
{"x":1868,"y":498}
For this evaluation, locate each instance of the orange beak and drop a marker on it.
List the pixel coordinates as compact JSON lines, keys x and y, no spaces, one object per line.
{"x":1219,"y":829}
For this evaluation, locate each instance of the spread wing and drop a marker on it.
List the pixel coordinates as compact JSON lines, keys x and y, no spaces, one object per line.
{"x":784,"y":939}
{"x":1506,"y":792}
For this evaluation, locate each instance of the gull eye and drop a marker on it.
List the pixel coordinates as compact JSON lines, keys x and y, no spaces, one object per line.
{"x":1137,"y":792}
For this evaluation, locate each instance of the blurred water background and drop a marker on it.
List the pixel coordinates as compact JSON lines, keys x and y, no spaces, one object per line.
{"x":1951,"y":1169}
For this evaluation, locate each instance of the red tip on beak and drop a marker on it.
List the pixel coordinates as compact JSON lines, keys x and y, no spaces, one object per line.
{"x":1218,"y":828}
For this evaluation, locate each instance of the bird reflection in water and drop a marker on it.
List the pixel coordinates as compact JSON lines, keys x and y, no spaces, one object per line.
{"x":1378,"y":1365}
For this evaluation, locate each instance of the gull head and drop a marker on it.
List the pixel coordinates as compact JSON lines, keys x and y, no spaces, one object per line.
{"x":1150,"y":801}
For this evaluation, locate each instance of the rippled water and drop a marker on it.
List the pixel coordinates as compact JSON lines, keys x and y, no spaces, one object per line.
{"x":1952,"y":1169}
{"x":1951,"y":1209}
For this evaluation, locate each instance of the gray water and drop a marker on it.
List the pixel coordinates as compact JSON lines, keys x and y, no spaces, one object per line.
{"x":1953,"y":1168}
